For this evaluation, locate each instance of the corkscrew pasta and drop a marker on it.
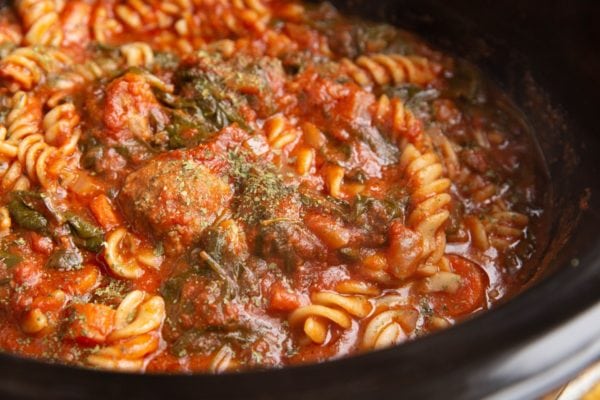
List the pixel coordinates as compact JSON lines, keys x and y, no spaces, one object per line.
{"x":213,"y":186}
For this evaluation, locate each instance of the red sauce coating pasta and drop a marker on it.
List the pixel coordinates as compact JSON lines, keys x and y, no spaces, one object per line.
{"x":222,"y":185}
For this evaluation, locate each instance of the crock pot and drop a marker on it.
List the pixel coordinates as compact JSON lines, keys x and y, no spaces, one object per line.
{"x":546,"y":55}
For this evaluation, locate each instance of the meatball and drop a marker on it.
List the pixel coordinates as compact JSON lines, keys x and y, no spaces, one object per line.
{"x":131,"y":109}
{"x":174,"y":200}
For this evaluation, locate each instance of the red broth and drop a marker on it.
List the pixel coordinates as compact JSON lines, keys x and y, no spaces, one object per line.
{"x":222,"y":185}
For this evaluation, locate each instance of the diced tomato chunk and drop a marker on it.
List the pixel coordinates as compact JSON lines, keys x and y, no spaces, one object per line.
{"x":471,"y":294}
{"x":282,"y":299}
{"x":41,"y":244}
{"x":89,"y":324}
{"x":104,"y":212}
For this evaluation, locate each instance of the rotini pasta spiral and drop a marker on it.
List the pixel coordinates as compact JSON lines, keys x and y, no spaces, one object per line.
{"x":35,"y":157}
{"x":400,"y":122}
{"x":64,"y":84}
{"x":505,"y":228}
{"x":280,"y":133}
{"x":329,"y":307}
{"x":137,"y":54}
{"x":221,"y":360}
{"x":8,"y":151}
{"x":136,"y":333}
{"x":25,"y":67}
{"x":394,"y":69}
{"x":231,"y":17}
{"x":38,"y":158}
{"x":180,"y":13}
{"x":24,"y":117}
{"x":429,"y":200}
{"x":475,"y":186}
{"x":11,"y":176}
{"x":61,"y":128}
{"x":126,"y":257}
{"x":137,"y":15}
{"x":5,"y":221}
{"x":477,"y":232}
{"x":93,"y":70}
{"x":40,"y":18}
{"x":391,"y":323}
{"x":448,"y":152}
{"x":104,"y":23}
{"x":141,"y":15}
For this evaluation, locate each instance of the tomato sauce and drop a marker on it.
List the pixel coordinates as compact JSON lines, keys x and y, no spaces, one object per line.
{"x":219,"y":186}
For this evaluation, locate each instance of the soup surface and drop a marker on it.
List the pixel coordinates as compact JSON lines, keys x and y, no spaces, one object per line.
{"x":214,"y":186}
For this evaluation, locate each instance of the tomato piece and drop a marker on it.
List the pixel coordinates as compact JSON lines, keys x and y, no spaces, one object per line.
{"x":282,"y":299}
{"x":81,"y":281}
{"x":470,"y":295}
{"x":89,"y":324}
{"x":41,"y":244}
{"x":104,"y":212}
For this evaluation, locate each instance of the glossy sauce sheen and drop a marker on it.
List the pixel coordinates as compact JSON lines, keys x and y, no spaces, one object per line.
{"x":222,"y":185}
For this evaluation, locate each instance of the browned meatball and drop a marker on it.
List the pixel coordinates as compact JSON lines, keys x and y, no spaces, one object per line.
{"x":174,"y":200}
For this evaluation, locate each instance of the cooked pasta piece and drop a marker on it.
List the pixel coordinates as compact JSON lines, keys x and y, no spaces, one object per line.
{"x":104,"y":23}
{"x":10,"y":34}
{"x":334,"y":176}
{"x":5,"y":221}
{"x":40,"y":18}
{"x":26,"y":67}
{"x":329,"y":307}
{"x":11,"y":175}
{"x":222,"y":360}
{"x":394,"y":69}
{"x":36,"y":159}
{"x":8,"y":151}
{"x":429,"y":199}
{"x":400,"y":122}
{"x":479,"y":235}
{"x":305,"y":158}
{"x":137,"y":54}
{"x":392,"y":323}
{"x":280,"y":133}
{"x":61,"y":128}
{"x":67,"y":83}
{"x":505,"y":228}
{"x":125,"y":256}
{"x":134,"y":335}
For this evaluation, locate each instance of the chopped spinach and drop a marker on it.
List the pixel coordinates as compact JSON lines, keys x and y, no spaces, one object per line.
{"x":261,"y":189}
{"x":88,"y":235}
{"x":22,"y":212}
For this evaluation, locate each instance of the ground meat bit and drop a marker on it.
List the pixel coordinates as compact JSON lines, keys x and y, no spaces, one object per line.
{"x":131,"y":109}
{"x":292,"y":242}
{"x":202,"y":305}
{"x":174,"y":200}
